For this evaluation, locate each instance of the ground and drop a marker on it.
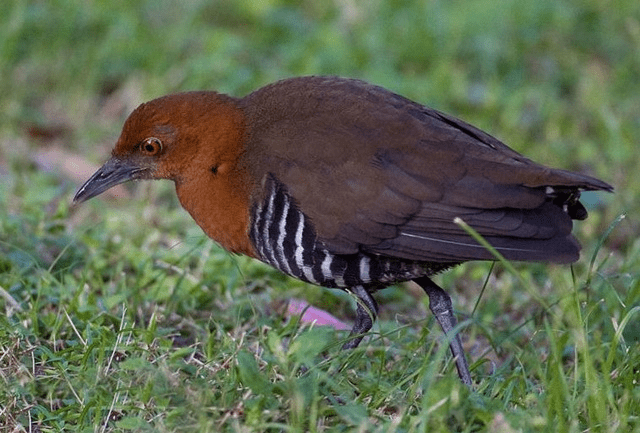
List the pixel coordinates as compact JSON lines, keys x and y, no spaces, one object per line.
{"x":120,"y":315}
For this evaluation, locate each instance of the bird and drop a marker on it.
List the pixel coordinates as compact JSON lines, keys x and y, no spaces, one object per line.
{"x":344,"y":184}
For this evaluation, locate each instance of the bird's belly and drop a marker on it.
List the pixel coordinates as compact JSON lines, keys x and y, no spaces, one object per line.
{"x":285,"y":239}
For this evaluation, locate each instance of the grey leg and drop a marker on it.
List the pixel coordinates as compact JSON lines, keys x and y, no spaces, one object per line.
{"x":365,"y":315}
{"x":442,"y":307}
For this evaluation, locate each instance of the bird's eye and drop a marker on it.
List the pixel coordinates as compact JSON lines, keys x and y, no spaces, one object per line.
{"x":151,"y":146}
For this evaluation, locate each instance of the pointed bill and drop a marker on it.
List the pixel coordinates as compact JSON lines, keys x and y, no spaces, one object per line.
{"x":113,"y":172}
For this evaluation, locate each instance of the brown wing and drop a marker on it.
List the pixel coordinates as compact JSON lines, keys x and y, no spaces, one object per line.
{"x":379,"y":173}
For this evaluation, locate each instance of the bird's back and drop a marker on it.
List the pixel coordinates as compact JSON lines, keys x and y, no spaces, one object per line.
{"x":376,"y":173}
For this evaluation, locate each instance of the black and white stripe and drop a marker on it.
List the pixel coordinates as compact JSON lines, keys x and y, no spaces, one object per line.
{"x":286,"y":239}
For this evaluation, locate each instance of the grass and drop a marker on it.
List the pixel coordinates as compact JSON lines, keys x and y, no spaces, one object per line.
{"x":121,"y":316}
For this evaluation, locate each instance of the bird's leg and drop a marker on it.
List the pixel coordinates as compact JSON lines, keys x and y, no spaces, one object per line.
{"x":442,"y":307}
{"x":366,"y":313}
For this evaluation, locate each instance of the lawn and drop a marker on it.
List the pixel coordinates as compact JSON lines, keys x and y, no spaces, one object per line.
{"x":120,"y":315}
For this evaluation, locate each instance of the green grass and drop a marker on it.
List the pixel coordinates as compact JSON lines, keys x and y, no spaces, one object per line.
{"x":120,"y":315}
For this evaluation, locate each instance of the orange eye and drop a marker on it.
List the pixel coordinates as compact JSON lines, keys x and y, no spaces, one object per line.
{"x":151,"y":146}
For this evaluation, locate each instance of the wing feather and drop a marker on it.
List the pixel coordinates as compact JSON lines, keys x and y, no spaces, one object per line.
{"x":388,"y":176}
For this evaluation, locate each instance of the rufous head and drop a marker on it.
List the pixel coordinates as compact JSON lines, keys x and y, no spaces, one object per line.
{"x":169,"y":138}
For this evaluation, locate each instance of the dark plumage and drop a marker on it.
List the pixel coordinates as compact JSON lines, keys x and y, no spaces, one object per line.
{"x":345,"y":184}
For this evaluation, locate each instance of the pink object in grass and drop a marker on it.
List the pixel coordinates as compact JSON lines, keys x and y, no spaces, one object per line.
{"x":312,"y":314}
